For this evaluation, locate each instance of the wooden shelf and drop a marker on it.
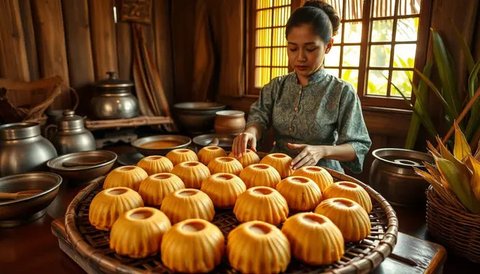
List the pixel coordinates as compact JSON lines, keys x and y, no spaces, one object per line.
{"x":131,"y":122}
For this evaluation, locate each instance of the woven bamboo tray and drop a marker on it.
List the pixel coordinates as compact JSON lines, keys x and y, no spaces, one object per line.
{"x":457,"y":229}
{"x":360,"y":257}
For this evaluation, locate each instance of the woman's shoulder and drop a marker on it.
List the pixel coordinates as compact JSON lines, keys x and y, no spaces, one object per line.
{"x":339,"y":83}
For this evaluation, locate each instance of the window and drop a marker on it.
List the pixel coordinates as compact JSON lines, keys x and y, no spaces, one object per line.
{"x":385,"y":32}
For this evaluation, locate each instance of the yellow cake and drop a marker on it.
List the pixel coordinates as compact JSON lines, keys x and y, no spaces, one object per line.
{"x":260,"y":175}
{"x":138,"y":232}
{"x":192,"y":173}
{"x":261,"y":203}
{"x":348,"y":216}
{"x":193,"y":246}
{"x":258,"y":247}
{"x":155,"y":187}
{"x":223,"y":189}
{"x":127,"y":176}
{"x":188,"y":203}
{"x":314,"y":238}
{"x":301,"y":193}
{"x":109,"y":204}
{"x":155,"y":164}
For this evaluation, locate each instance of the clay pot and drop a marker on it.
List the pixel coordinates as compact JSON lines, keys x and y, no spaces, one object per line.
{"x":229,"y":121}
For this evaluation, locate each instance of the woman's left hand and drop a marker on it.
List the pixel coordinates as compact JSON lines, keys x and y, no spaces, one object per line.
{"x":309,"y":155}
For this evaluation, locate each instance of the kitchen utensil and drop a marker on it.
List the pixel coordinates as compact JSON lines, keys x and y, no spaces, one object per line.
{"x":83,"y":166}
{"x":229,"y":122}
{"x":19,"y":194}
{"x":113,"y":99}
{"x":23,"y":209}
{"x":160,"y":144}
{"x":393,"y":176}
{"x":23,"y":149}
{"x":70,"y":134}
{"x":196,"y":117}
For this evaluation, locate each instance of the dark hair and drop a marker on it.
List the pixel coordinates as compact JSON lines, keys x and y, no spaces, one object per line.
{"x":320,"y":15}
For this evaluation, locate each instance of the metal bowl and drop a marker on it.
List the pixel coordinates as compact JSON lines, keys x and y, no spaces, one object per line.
{"x":83,"y":166}
{"x":160,"y":144}
{"x":221,"y":140}
{"x":393,"y":176}
{"x":26,"y":209}
{"x":196,"y":117}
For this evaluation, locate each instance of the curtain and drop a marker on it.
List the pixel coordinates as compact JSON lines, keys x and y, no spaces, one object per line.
{"x":219,"y":48}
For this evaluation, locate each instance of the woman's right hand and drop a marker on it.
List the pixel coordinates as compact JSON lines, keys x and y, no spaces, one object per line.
{"x":239,"y":145}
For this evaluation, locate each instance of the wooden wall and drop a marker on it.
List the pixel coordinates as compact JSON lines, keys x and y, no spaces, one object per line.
{"x":79,"y":41}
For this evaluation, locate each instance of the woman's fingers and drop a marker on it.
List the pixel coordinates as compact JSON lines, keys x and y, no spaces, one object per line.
{"x":240,"y":144}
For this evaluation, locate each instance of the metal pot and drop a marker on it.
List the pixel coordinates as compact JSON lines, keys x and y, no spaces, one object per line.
{"x":393,"y":176}
{"x":23,"y":149}
{"x":70,"y":135}
{"x":196,"y":117}
{"x":113,"y":99}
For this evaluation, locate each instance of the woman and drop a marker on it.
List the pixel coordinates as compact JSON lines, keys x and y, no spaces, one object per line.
{"x":316,"y":117}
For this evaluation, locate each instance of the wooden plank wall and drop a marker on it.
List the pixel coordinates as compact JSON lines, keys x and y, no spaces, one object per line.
{"x":79,"y":41}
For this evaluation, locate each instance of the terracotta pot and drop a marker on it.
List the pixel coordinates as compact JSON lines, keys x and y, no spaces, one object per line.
{"x":229,"y":121}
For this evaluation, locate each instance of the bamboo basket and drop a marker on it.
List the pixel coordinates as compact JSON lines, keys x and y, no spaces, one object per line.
{"x":359,"y":257}
{"x":455,"y":228}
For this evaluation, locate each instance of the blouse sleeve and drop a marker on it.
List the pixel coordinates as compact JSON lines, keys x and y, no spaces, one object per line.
{"x":352,"y":129}
{"x":261,"y":111}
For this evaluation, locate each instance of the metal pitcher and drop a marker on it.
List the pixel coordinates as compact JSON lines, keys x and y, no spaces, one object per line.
{"x":70,"y":135}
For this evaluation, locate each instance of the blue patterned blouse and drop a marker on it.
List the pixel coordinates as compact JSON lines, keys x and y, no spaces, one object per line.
{"x":325,"y":112}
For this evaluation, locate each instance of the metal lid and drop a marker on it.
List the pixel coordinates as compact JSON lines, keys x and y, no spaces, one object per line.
{"x":112,"y":82}
{"x":16,"y":131}
{"x":70,"y":121}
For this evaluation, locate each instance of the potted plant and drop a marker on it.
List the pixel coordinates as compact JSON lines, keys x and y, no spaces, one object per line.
{"x":462,"y":106}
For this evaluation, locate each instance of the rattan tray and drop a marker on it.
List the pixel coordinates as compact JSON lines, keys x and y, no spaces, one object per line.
{"x":360,"y":257}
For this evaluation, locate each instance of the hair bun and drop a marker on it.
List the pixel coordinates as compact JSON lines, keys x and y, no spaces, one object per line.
{"x":328,"y":9}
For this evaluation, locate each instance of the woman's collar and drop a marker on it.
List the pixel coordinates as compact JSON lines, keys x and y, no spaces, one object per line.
{"x":315,"y":77}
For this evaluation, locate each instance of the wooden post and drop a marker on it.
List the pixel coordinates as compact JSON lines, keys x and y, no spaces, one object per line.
{"x":103,"y":37}
{"x":13,"y":55}
{"x":50,"y":37}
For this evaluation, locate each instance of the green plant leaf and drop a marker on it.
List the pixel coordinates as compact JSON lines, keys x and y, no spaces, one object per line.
{"x":416,"y":120}
{"x":419,"y":110}
{"x":447,"y":77}
{"x":449,"y":111}
{"x":474,"y":121}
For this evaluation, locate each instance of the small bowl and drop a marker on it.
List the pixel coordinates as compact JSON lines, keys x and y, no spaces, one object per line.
{"x":26,"y":209}
{"x":222,"y":140}
{"x":160,"y":144}
{"x":83,"y":166}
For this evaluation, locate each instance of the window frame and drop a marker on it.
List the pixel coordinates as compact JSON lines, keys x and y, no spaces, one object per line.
{"x":363,"y":69}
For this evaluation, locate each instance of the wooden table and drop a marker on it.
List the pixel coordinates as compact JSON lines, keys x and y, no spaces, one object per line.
{"x":32,"y":248}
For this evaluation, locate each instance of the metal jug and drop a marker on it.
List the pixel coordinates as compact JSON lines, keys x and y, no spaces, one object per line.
{"x":70,"y":134}
{"x":23,"y":148}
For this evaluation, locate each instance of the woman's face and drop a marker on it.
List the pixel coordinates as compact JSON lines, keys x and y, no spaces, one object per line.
{"x":306,"y":51}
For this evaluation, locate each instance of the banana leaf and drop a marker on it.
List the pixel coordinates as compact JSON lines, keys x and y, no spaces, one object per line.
{"x":444,"y":64}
